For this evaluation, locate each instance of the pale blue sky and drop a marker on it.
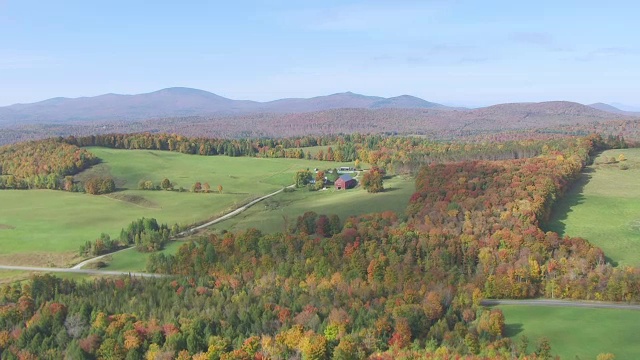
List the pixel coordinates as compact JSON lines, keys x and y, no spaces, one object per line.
{"x":453,"y":52}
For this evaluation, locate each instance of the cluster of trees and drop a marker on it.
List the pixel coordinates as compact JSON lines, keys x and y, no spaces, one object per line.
{"x":302,"y":178}
{"x":311,"y":223}
{"x":99,"y":185}
{"x":145,"y":234}
{"x":102,"y":245}
{"x":165,"y":184}
{"x":372,"y":180}
{"x":204,"y":188}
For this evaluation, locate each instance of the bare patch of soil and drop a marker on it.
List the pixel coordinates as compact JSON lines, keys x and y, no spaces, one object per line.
{"x":135,"y":200}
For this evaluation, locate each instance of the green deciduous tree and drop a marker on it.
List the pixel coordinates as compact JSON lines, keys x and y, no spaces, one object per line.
{"x":302,"y":178}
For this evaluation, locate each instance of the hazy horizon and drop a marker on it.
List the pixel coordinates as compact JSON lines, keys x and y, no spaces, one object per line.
{"x":624,"y":107}
{"x":459,"y":53}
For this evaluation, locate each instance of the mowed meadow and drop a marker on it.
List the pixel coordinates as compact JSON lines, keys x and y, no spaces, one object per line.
{"x":46,"y":227}
{"x":603,"y":207}
{"x":575,"y":333}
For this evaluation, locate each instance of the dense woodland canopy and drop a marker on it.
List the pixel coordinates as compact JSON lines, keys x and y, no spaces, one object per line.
{"x":379,"y":286}
{"x":505,"y":121}
{"x":41,"y":164}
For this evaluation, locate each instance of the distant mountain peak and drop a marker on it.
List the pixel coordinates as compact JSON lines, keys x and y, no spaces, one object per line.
{"x":181,"y":90}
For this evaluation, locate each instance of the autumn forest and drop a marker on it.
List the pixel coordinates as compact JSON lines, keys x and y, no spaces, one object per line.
{"x":380,"y":286}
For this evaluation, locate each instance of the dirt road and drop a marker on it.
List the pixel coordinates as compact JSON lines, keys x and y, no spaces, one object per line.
{"x":78,"y":271}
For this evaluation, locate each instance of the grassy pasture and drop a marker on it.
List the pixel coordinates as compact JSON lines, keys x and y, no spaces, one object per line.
{"x":43,"y":227}
{"x":576,"y":333}
{"x":604,"y":207}
{"x":269,"y":215}
{"x":237,"y":175}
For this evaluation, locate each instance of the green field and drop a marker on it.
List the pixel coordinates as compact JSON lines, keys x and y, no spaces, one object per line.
{"x":604,"y":208}
{"x":43,"y":227}
{"x":576,"y":333}
{"x":269,"y":215}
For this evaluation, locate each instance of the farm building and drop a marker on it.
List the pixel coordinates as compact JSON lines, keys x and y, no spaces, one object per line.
{"x":345,"y":182}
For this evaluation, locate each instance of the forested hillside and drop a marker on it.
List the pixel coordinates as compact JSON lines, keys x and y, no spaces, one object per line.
{"x":436,"y":124}
{"x":379,"y":286}
{"x":41,"y":164}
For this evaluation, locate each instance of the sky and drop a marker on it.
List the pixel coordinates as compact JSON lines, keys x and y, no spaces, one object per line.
{"x":465,"y":53}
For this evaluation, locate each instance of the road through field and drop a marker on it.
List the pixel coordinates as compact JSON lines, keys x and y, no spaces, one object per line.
{"x":78,"y":267}
{"x":233,"y":213}
{"x":561,"y":303}
{"x":78,"y":271}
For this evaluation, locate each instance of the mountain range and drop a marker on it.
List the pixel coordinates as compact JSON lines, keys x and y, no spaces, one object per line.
{"x":180,"y":102}
{"x":186,"y":102}
{"x":193,"y":112}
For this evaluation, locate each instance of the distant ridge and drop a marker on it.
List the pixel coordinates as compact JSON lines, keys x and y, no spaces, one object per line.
{"x":182,"y":101}
{"x":432,"y":122}
{"x":612,"y":109}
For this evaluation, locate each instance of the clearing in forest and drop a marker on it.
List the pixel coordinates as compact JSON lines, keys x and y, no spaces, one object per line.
{"x":575,"y":333}
{"x":604,"y":207}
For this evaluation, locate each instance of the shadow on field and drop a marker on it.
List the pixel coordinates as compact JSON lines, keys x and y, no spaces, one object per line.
{"x":511,"y":330}
{"x":610,"y":261}
{"x":563,"y":206}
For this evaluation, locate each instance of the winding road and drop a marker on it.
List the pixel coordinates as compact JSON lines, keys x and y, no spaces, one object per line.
{"x":78,"y":268}
{"x":233,"y":213}
{"x":562,"y":303}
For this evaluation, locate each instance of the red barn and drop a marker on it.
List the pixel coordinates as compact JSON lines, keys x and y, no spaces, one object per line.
{"x":345,"y":182}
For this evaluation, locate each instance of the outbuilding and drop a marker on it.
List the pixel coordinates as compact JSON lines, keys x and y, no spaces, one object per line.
{"x":345,"y":182}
